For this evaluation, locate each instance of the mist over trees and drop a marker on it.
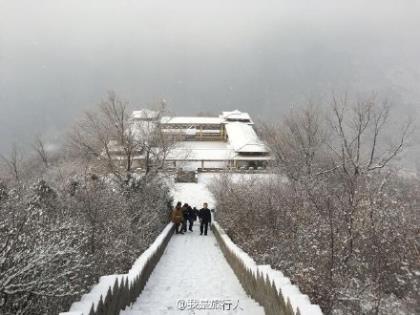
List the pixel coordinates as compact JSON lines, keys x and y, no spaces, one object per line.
{"x":339,"y":219}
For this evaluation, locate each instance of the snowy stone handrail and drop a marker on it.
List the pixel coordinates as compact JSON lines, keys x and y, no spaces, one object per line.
{"x":269,"y":287}
{"x":113,"y":293}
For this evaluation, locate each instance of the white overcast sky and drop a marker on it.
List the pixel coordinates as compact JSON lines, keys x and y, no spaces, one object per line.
{"x":58,"y":57}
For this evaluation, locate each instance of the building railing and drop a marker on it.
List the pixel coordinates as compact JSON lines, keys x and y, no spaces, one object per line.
{"x":252,"y":170}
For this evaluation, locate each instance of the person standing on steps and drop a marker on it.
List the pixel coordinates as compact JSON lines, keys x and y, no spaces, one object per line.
{"x":205,"y":218}
{"x":185,"y":217}
{"x":191,"y":218}
{"x":177,"y":217}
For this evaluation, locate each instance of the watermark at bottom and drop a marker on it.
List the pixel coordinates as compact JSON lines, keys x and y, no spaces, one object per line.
{"x":215,"y":304}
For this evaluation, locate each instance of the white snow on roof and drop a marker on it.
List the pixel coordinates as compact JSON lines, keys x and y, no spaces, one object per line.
{"x":240,"y":157}
{"x":235,"y":115}
{"x":192,"y":120}
{"x":243,"y":138}
{"x":145,"y":114}
{"x":190,"y":131}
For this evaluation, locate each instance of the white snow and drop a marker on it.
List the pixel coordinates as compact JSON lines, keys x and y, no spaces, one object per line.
{"x":243,"y":138}
{"x":195,"y":194}
{"x":138,"y":265}
{"x":208,"y":178}
{"x":94,"y":295}
{"x":236,"y":115}
{"x":192,"y":268}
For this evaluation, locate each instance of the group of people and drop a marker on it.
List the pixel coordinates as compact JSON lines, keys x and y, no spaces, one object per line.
{"x":183,"y":214}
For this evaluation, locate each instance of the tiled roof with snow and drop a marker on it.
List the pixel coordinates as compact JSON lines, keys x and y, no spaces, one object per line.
{"x":243,"y":139}
{"x":236,"y":115}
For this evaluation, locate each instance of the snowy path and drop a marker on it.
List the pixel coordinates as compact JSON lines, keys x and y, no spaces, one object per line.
{"x":192,"y":268}
{"x":193,"y":194}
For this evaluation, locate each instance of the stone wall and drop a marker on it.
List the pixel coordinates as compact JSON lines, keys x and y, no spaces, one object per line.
{"x":269,"y":287}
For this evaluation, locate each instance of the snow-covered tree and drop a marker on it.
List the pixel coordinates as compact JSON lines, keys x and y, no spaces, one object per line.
{"x":64,"y":221}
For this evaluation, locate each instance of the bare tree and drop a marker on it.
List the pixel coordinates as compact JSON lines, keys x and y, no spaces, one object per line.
{"x":102,"y":132}
{"x":13,"y":164}
{"x":113,"y":142}
{"x":298,"y":142}
{"x":39,"y":148}
{"x":359,"y":148}
{"x":360,"y":130}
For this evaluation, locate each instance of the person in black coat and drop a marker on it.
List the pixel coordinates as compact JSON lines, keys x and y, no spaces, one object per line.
{"x":205,"y":218}
{"x":185,"y":217}
{"x":191,"y":216}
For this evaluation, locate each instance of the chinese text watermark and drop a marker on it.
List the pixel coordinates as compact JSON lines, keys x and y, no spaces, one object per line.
{"x":215,"y":304}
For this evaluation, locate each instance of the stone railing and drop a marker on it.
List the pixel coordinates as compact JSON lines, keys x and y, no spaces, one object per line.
{"x":269,"y":287}
{"x":246,"y":170}
{"x":115,"y":292}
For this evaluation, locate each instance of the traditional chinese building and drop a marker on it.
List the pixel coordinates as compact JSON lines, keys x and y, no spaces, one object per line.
{"x":227,"y":141}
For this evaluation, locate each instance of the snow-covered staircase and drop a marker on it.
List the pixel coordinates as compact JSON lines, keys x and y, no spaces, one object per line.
{"x":193,"y":269}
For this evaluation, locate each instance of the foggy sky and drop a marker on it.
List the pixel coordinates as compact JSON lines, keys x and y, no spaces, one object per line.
{"x":59,"y":57}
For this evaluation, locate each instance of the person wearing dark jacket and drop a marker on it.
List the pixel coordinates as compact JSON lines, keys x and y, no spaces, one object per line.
{"x":185,"y":217}
{"x":191,"y":218}
{"x":205,"y":218}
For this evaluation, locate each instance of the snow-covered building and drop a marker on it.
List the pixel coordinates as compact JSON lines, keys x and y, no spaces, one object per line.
{"x":226,"y":141}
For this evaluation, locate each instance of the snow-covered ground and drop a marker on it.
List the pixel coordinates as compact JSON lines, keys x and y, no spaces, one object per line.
{"x":195,"y":194}
{"x":207,"y":178}
{"x":193,"y":273}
